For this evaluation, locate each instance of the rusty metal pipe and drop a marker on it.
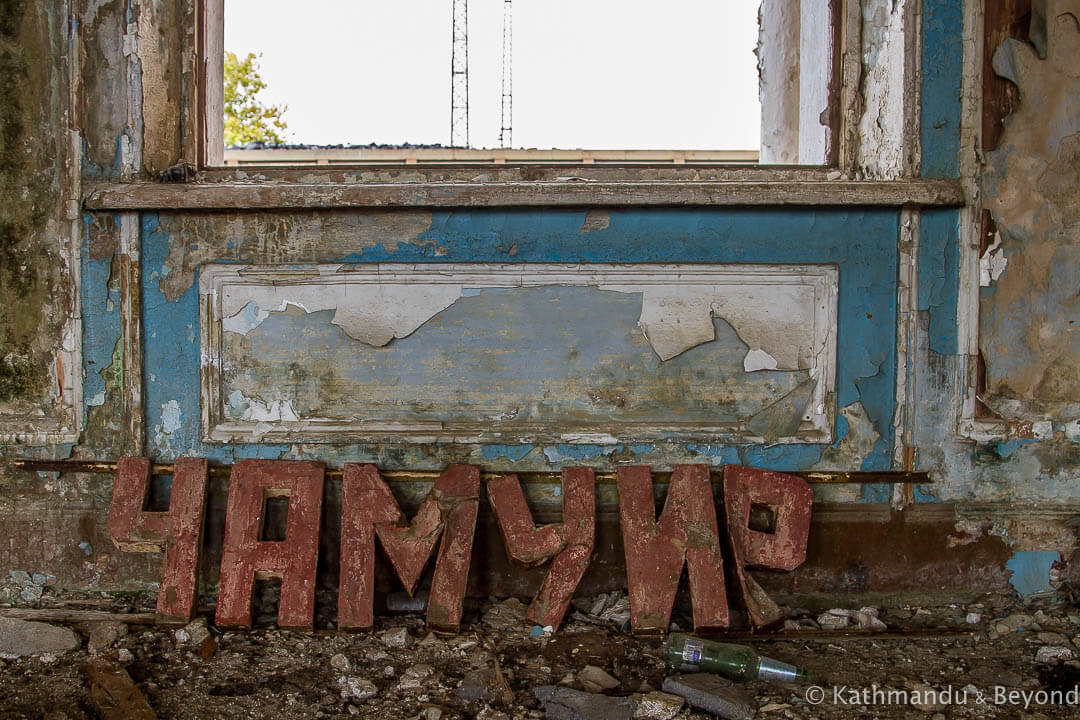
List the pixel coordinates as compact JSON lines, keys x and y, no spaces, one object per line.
{"x":814,"y":477}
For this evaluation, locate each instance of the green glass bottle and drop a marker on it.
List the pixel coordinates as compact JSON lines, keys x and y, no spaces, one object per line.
{"x":686,"y":653}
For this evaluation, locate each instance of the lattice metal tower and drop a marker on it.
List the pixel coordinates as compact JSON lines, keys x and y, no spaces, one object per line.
{"x":506,"y":114}
{"x":459,"y":75}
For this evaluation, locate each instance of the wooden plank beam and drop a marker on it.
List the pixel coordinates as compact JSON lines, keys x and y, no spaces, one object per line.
{"x":195,"y":197}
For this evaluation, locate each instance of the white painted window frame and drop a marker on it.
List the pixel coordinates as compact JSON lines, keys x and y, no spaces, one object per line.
{"x":792,"y":104}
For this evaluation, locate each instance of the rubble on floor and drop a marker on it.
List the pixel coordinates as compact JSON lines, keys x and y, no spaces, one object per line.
{"x":936,"y":661}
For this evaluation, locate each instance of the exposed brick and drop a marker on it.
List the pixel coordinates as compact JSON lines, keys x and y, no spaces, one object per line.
{"x":177,"y":533}
{"x":571,"y":541}
{"x":293,"y":559}
{"x":656,"y":550}
{"x":369,"y":509}
{"x":791,"y":501}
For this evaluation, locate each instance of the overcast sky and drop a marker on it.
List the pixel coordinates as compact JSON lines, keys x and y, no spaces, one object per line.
{"x":587,"y":73}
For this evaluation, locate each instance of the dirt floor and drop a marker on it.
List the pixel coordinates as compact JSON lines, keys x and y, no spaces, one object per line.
{"x":986,"y":659}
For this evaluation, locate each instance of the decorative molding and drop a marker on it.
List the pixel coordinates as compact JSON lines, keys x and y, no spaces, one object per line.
{"x":786,"y":310}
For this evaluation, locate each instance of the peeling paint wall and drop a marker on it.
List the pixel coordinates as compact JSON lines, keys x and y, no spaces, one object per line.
{"x":1030,"y":321}
{"x":523,"y":350}
{"x":861,"y":244}
{"x":36,"y":276}
{"x":103,"y":90}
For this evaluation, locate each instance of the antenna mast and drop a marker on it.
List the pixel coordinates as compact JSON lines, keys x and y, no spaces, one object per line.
{"x":459,"y":75}
{"x":506,"y":115}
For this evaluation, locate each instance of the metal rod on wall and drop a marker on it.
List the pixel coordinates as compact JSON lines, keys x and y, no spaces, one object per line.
{"x":814,"y":477}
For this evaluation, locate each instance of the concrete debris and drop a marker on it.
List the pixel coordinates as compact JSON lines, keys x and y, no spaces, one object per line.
{"x":867,"y":619}
{"x":1049,"y":654}
{"x":835,"y":619}
{"x":712,"y":693}
{"x":508,"y":615}
{"x":29,"y":587}
{"x":1017,"y":622}
{"x":594,"y":679}
{"x":376,"y":655}
{"x":606,"y":608}
{"x":602,"y":672}
{"x":104,"y":635}
{"x":23,"y":638}
{"x":357,"y":688}
{"x":1052,"y":638}
{"x":561,"y":703}
{"x":926,"y":698}
{"x":396,"y":638}
{"x":973,"y":618}
{"x":657,"y":705}
{"x":773,"y":707}
{"x":198,"y":635}
{"x":415,"y":677}
{"x":487,"y":685}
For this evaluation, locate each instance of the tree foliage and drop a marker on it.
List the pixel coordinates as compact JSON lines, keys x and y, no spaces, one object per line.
{"x":247,"y":119}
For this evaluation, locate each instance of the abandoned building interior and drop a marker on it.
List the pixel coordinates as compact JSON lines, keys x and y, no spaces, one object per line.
{"x":820,"y":400}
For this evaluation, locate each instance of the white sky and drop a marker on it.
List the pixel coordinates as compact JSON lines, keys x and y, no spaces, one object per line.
{"x":667,"y":74}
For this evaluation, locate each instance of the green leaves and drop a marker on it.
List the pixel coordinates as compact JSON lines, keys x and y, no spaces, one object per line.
{"x":247,"y":119}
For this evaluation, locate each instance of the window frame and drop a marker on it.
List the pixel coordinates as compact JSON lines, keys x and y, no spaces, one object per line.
{"x":210,"y":41}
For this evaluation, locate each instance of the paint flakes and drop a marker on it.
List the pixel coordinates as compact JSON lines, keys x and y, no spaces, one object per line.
{"x":992,"y":263}
{"x":778,"y":319}
{"x":170,"y":417}
{"x":1027,"y":315}
{"x":758,"y":359}
{"x":245,"y":319}
{"x":274,"y":411}
{"x":373,"y":314}
{"x":595,"y":220}
{"x":782,"y":419}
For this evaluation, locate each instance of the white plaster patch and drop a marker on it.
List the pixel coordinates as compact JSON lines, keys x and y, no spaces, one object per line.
{"x":98,"y":399}
{"x":758,"y":359}
{"x":170,"y":417}
{"x":776,"y":319}
{"x":373,"y":314}
{"x":587,"y":438}
{"x":272,"y":412}
{"x":993,"y":263}
{"x":245,"y":319}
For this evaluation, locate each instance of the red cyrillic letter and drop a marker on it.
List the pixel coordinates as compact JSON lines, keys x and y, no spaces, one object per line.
{"x":655,"y":551}
{"x":293,"y":559}
{"x":369,"y":508}
{"x":572,"y":539}
{"x":790,"y":500}
{"x":177,"y":532}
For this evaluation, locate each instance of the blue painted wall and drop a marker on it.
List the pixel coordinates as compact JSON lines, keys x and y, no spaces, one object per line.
{"x":861,"y":243}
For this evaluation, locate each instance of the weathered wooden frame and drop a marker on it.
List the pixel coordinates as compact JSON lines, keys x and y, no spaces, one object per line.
{"x":210,"y":98}
{"x":215,"y":280}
